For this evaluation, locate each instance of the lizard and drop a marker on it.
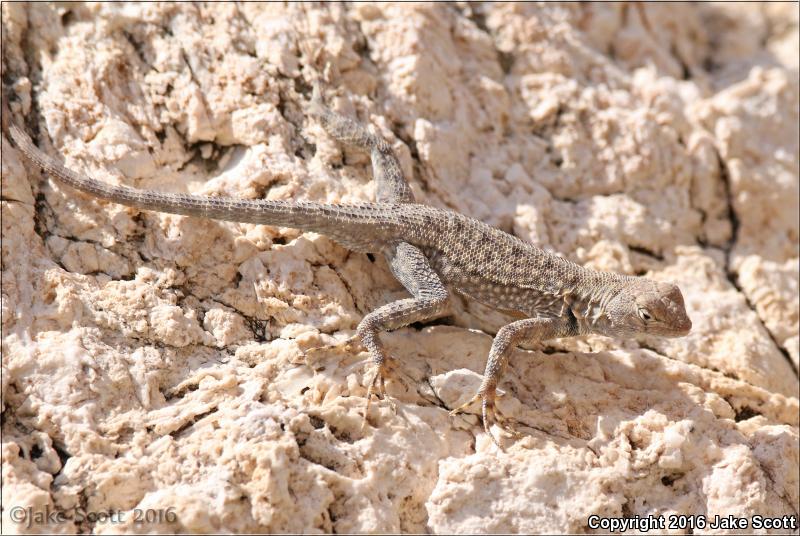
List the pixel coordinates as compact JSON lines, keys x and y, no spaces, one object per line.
{"x":432,"y":252}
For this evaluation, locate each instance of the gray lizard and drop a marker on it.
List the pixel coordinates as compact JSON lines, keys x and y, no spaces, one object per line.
{"x":432,"y":252}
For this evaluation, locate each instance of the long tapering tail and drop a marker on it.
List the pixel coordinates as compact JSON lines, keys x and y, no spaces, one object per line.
{"x":356,"y":225}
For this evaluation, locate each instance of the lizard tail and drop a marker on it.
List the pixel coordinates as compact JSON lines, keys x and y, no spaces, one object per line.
{"x":344,"y":223}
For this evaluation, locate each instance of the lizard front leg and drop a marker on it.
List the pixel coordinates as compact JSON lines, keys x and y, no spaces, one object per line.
{"x":430,"y":299}
{"x":529,"y":329}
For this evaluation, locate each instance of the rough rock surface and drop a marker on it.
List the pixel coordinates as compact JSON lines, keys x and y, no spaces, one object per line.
{"x":157,"y":362}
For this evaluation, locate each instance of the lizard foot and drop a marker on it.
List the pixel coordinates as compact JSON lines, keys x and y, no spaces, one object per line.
{"x":378,"y":381}
{"x":489,"y":413}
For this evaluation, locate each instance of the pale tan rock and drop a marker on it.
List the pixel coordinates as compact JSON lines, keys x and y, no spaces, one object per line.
{"x":181,"y":375}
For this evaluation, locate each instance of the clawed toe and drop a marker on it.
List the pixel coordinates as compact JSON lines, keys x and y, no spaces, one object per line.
{"x":489,"y":414}
{"x":466,"y":404}
{"x":379,"y":380}
{"x":345,"y":346}
{"x":507,"y":425}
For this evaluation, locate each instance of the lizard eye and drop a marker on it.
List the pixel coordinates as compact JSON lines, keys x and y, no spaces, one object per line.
{"x":644,"y":314}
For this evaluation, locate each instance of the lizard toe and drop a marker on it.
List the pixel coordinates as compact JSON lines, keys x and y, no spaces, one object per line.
{"x":489,"y":414}
{"x":377,"y":387}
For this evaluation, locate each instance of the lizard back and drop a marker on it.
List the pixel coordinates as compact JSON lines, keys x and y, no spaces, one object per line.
{"x":491,"y":265}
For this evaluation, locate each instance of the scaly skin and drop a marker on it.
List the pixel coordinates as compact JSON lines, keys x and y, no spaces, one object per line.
{"x":432,"y":252}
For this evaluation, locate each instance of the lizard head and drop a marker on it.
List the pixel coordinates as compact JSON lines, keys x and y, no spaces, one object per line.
{"x":648,"y":307}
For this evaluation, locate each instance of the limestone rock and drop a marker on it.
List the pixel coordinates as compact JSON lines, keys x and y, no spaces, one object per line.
{"x":163,"y":373}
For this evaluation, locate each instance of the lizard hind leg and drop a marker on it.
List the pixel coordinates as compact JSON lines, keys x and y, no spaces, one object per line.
{"x":430,"y":299}
{"x":392,"y":184}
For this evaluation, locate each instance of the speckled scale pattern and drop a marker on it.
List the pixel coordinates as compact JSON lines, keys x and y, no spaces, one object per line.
{"x":431,"y":252}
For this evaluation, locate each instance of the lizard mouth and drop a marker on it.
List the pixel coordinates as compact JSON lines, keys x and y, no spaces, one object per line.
{"x":686,"y":326}
{"x":679,"y":329}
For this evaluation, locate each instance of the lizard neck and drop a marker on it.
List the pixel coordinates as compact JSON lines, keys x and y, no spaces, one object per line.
{"x":590,"y":300}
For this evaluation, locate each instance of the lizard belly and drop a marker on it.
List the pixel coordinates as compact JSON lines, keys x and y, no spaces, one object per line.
{"x":508,"y":297}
